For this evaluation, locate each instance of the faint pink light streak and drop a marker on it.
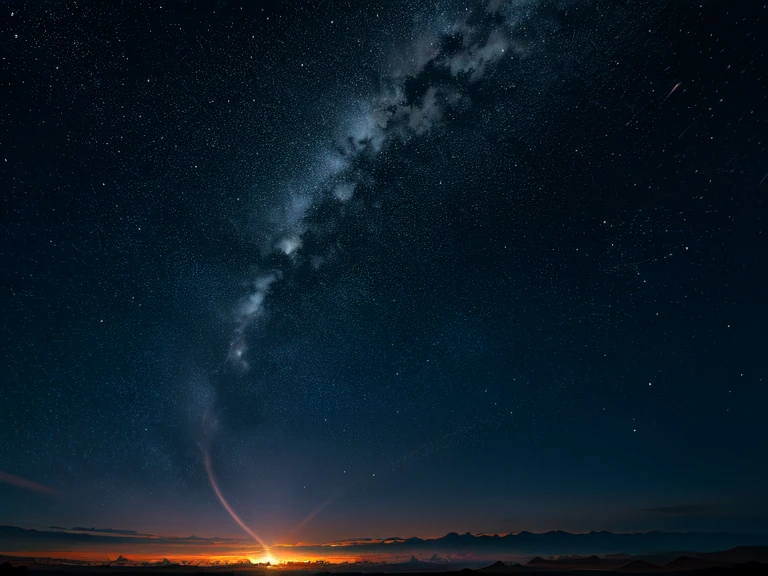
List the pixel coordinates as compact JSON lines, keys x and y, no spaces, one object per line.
{"x":315,"y":512}
{"x":24,"y":483}
{"x":227,"y":507}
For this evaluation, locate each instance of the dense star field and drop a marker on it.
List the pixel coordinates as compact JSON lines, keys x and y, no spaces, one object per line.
{"x":390,"y":268}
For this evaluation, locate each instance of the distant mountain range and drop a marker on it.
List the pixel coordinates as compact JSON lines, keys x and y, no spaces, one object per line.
{"x":488,"y":546}
{"x":559,"y":542}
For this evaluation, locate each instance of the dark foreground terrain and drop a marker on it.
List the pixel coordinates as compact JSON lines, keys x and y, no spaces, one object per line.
{"x":749,"y":569}
{"x":739,"y":561}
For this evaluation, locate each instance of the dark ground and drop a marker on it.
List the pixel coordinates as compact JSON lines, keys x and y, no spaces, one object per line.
{"x":721,"y":563}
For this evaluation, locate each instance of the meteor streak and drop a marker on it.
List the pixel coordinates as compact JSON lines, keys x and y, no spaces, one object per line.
{"x":227,"y":507}
{"x":673,"y":90}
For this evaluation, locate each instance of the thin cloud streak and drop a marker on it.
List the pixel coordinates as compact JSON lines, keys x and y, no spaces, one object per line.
{"x":20,"y":482}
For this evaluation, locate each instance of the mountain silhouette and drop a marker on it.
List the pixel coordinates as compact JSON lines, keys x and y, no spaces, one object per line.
{"x":686,"y":563}
{"x":639,"y":567}
{"x":497,"y":566}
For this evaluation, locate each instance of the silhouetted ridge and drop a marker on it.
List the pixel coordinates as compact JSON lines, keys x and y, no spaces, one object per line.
{"x":497,"y":566}
{"x":639,"y":567}
{"x":6,"y":569}
{"x":739,"y":554}
{"x":588,"y":560}
{"x":684,"y":563}
{"x":414,"y":560}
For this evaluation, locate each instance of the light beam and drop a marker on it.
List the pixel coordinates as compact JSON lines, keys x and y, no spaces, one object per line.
{"x":227,"y":507}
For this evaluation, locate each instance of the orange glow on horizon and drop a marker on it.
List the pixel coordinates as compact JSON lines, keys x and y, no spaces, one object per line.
{"x":265,"y":559}
{"x":234,"y":557}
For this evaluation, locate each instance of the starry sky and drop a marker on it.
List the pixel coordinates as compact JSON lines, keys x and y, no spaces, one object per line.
{"x":383,"y":268}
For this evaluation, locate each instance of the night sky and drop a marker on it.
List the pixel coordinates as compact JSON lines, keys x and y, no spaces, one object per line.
{"x":402,"y":267}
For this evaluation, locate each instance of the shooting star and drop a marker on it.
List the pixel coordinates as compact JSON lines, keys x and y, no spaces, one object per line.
{"x":673,"y":90}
